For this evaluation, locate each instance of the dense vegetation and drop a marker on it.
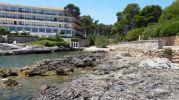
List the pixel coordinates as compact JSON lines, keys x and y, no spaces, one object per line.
{"x":151,"y":21}
{"x":132,"y":21}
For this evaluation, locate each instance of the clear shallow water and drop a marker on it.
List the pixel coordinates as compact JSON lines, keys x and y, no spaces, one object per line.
{"x":22,"y":60}
{"x":29,"y":86}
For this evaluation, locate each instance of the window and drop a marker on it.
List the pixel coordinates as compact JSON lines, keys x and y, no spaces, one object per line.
{"x":55,"y":30}
{"x":48,"y":30}
{"x":1,"y":7}
{"x":27,"y":28}
{"x":34,"y":29}
{"x":19,"y":28}
{"x":1,"y":21}
{"x":11,"y":28}
{"x":41,"y":30}
{"x":60,"y":25}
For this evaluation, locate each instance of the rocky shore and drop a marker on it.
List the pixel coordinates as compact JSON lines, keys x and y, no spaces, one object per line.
{"x":134,"y":75}
{"x":62,"y":67}
{"x":15,"y":49}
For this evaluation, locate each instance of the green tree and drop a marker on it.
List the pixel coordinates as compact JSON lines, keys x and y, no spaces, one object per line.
{"x":134,"y":34}
{"x":119,"y":15}
{"x":88,"y":24}
{"x":73,"y":10}
{"x":170,"y":29}
{"x":170,"y":12}
{"x":126,"y":19}
{"x":104,"y":30}
{"x":151,"y":13}
{"x":152,"y":30}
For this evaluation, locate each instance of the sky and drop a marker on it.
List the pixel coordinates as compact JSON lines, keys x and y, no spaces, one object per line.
{"x":102,"y":10}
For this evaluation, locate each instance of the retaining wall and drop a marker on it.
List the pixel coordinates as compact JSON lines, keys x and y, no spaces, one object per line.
{"x":21,"y":39}
{"x":169,"y":41}
{"x":149,"y":45}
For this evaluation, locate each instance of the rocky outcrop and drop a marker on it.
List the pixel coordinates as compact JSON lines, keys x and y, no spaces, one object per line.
{"x":61,"y":66}
{"x":65,"y":65}
{"x":6,"y":46}
{"x":7,"y":83}
{"x":61,"y":72}
{"x":12,"y":49}
{"x":7,"y":72}
{"x":119,"y":78}
{"x":156,"y":63}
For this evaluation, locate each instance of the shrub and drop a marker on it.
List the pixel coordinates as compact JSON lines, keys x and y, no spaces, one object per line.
{"x":152,"y":31}
{"x":168,"y":53}
{"x":118,"y":38}
{"x":24,"y":34}
{"x":134,"y":34}
{"x":101,"y":41}
{"x":170,"y":28}
{"x":47,"y":43}
{"x":92,"y":39}
{"x":62,"y":33}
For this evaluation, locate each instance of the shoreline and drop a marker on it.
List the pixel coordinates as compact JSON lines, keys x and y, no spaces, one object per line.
{"x":61,"y":66}
{"x":123,"y":75}
{"x":119,"y":73}
{"x":10,"y":49}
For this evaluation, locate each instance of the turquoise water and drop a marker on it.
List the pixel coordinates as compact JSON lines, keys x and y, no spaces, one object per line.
{"x":22,"y":60}
{"x":29,"y":86}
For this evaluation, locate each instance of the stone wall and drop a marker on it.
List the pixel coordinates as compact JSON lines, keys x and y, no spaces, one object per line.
{"x":84,"y":42}
{"x":148,"y":45}
{"x":22,"y":39}
{"x":169,"y":41}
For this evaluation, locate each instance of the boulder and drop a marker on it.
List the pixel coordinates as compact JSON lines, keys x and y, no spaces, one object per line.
{"x":78,"y":62}
{"x":156,"y":63}
{"x":44,"y":87}
{"x":71,"y":70}
{"x":61,"y":72}
{"x":8,"y":83}
{"x":35,"y":72}
{"x":7,"y":72}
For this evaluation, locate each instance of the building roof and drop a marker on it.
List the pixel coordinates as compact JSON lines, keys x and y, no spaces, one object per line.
{"x":37,"y":7}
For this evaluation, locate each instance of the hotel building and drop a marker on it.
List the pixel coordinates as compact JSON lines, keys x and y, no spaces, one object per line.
{"x":41,"y":21}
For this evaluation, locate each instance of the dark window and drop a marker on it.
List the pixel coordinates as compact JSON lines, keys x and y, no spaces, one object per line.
{"x":15,"y":22}
{"x":55,"y":19}
{"x":48,"y":30}
{"x":41,"y":30}
{"x":34,"y":29}
{"x":27,"y":28}
{"x":55,"y":30}
{"x":19,"y":28}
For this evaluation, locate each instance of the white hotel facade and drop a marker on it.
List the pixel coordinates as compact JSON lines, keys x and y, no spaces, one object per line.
{"x":41,"y":21}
